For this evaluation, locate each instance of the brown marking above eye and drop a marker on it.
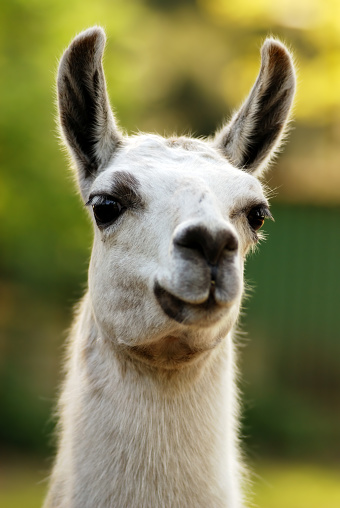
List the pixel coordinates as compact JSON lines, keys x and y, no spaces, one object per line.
{"x":122,"y":195}
{"x":123,"y":189}
{"x":126,"y":187}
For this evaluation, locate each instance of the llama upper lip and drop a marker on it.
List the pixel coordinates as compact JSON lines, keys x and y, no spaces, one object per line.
{"x":213,"y":275}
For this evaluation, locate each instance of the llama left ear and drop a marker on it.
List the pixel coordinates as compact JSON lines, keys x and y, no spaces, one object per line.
{"x":87,"y":122}
{"x":255,"y":131}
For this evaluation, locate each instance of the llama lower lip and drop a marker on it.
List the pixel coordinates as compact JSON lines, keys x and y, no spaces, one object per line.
{"x":176,"y":308}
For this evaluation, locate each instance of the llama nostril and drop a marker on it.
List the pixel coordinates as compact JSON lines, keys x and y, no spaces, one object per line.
{"x":210,"y":245}
{"x":231,"y":241}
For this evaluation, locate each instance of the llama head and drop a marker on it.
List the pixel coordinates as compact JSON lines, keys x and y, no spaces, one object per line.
{"x":173,"y":218}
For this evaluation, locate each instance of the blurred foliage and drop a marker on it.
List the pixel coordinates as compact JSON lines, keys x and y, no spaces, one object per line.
{"x":175,"y":66}
{"x":291,"y":364}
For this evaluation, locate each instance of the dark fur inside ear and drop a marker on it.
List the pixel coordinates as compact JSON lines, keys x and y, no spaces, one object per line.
{"x":85,"y":115}
{"x":257,"y":128}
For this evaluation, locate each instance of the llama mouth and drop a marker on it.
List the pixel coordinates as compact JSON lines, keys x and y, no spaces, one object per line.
{"x":179,"y":310}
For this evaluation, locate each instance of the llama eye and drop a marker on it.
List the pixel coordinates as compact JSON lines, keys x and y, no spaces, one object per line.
{"x":106,"y":211}
{"x":256,"y":217}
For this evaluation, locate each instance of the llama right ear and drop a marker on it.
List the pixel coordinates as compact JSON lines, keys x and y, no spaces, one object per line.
{"x":255,"y":131}
{"x":86,"y":119}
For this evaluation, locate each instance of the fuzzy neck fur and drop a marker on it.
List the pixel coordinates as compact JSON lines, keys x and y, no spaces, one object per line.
{"x":134,"y":437}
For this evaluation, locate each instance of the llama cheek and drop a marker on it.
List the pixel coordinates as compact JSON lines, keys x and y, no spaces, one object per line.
{"x":130,"y":320}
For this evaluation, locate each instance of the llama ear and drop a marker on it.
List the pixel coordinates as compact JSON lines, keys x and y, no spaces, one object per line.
{"x":86,"y":119}
{"x":255,"y":131}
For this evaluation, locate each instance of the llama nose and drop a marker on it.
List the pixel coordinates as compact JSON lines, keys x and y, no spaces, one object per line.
{"x":210,"y":245}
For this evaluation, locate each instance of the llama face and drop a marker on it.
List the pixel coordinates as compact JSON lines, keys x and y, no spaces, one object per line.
{"x":169,"y":263}
{"x":173,"y":218}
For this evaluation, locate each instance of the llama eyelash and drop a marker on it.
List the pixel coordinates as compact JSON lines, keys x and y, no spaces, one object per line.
{"x":98,"y":199}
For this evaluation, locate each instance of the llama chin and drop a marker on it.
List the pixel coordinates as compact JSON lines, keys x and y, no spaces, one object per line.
{"x":148,"y":414}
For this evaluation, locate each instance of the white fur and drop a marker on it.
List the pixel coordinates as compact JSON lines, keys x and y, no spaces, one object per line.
{"x":149,"y":410}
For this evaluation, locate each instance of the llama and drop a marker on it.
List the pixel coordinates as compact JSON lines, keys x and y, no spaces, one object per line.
{"x":148,"y":414}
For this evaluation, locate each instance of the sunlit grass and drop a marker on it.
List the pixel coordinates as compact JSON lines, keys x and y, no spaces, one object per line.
{"x":297,"y":486}
{"x":25,"y":495}
{"x":22,"y":483}
{"x":277,"y":485}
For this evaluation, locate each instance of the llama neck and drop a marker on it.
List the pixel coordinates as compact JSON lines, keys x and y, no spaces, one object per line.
{"x":140,"y":431}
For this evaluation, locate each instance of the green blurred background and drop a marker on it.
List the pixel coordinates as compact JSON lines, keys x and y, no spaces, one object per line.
{"x":177,"y":65}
